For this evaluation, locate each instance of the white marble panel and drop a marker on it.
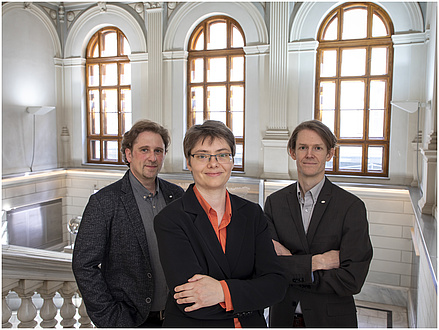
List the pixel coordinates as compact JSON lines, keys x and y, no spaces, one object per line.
{"x":48,"y":185}
{"x":391,"y":267}
{"x":20,"y":190}
{"x":390,"y":206}
{"x":406,"y":256}
{"x":385,"y":230}
{"x":403,"y":244}
{"x":408,"y":208}
{"x":391,"y":218}
{"x":375,"y":277}
{"x":387,"y":254}
{"x":384,"y":294}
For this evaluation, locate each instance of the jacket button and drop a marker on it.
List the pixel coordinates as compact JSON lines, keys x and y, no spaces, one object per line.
{"x":149,"y":275}
{"x":148,"y":300}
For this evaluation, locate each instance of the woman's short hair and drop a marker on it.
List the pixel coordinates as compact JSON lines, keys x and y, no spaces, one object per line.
{"x":317,"y":126}
{"x":210,"y":129}
{"x":144,"y":125}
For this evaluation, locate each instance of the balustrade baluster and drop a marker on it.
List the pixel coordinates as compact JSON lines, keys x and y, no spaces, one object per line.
{"x":7,"y":285}
{"x":68,"y":309}
{"x":27,"y":312}
{"x":84,"y":320}
{"x":48,"y":311}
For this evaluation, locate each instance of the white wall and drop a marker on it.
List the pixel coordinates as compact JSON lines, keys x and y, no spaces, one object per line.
{"x":28,"y":79}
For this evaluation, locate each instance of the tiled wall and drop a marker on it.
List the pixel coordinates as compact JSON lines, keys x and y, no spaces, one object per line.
{"x":390,"y":215}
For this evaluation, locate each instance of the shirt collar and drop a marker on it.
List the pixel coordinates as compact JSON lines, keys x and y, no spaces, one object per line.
{"x":314,"y":191}
{"x":140,"y":188}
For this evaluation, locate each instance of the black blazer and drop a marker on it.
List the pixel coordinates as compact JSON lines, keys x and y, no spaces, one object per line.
{"x":111,"y":259}
{"x":188,"y":245}
{"x":339,"y":222}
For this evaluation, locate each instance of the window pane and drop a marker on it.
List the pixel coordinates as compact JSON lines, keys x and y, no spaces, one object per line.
{"x":93,"y":107}
{"x":237,"y":68}
{"x":237,"y":39}
{"x":354,"y":23}
{"x":125,"y":109}
{"x":125,"y":73}
{"x":331,"y":30}
{"x":352,"y":95}
{"x":329,"y":166}
{"x":199,"y":42}
{"x":197,"y":105}
{"x":353,"y":62}
{"x":109,"y":74}
{"x":125,"y":48}
{"x":111,"y":151}
{"x":216,"y":69}
{"x":328,"y":66}
{"x":95,"y":150}
{"x":328,"y":118}
{"x":216,"y":103}
{"x":93,"y":48}
{"x":351,"y":124}
{"x":327,"y":95}
{"x":109,"y":44}
{"x":197,"y":70}
{"x":237,"y":109}
{"x":377,"y":94}
{"x":217,"y":35}
{"x":93,"y":75}
{"x":239,"y":155}
{"x":378,"y":27}
{"x":376,"y":123}
{"x":109,"y":103}
{"x":350,"y":158}
{"x":375,"y":159}
{"x":378,"y":65}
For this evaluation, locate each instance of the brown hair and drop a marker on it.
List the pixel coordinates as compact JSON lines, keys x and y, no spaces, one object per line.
{"x":210,"y":129}
{"x":144,"y":125}
{"x":317,"y":126}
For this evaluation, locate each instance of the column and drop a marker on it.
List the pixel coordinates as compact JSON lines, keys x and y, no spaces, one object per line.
{"x":154,"y":13}
{"x":277,"y":135}
{"x":68,"y":309}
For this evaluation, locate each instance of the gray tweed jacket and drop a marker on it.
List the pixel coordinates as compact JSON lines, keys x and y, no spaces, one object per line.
{"x":111,"y":260}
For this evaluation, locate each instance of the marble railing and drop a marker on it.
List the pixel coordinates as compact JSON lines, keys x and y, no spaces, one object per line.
{"x":27,"y":272}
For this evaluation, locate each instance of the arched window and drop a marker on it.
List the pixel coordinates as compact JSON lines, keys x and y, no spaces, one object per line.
{"x":108,"y":75}
{"x":216,"y":77}
{"x":353,"y":87}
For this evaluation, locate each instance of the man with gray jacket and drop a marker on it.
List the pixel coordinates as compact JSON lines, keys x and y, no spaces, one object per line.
{"x":115,"y":259}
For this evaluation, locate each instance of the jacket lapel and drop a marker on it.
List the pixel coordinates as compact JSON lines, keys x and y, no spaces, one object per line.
{"x":235,"y":231}
{"x":296,"y":215}
{"x":319,"y":209}
{"x":132,"y":210}
{"x":205,"y":230}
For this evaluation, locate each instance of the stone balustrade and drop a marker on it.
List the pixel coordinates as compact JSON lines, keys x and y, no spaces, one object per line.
{"x":28,"y":271}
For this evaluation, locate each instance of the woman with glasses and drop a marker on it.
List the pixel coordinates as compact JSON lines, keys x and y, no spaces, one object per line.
{"x":215,"y":248}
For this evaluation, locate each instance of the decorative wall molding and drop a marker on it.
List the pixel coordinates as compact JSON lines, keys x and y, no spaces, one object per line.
{"x":303,"y":46}
{"x":95,"y":18}
{"x":409,"y":38}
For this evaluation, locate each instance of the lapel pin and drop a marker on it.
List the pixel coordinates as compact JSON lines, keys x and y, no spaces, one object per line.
{"x":323,"y":202}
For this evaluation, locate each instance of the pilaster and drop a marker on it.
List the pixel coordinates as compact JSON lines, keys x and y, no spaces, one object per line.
{"x":276,"y":135}
{"x":154,"y":12}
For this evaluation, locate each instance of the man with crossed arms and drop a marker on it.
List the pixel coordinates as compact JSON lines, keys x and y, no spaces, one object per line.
{"x":321,"y":237}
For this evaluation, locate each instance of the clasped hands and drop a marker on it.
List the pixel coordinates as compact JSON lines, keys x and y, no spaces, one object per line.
{"x":324,"y":261}
{"x":201,"y":290}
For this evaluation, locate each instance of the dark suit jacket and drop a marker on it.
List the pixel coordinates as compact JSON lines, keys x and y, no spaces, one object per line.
{"x":111,"y":260}
{"x":339,"y":222}
{"x":188,"y":245}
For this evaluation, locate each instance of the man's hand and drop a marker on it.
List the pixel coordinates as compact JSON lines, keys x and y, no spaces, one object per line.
{"x":201,"y":290}
{"x":280,"y":249}
{"x":326,"y":261}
